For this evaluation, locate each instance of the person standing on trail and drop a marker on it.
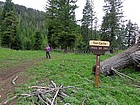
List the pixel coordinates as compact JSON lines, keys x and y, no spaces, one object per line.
{"x":48,"y":52}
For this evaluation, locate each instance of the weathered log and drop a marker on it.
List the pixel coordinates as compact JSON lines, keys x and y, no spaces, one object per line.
{"x":129,"y":57}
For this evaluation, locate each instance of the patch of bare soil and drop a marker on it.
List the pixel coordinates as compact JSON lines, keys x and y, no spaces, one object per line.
{"x":10,"y":75}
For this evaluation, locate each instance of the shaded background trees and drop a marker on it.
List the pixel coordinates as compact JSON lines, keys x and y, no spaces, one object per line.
{"x":30,"y":22}
{"x":27,"y":28}
{"x":25,"y":22}
{"x":9,"y":25}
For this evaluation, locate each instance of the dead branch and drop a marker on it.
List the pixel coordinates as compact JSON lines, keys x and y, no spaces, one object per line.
{"x":83,"y":103}
{"x":41,"y":98}
{"x":56,"y":95}
{"x":37,"y":87}
{"x":67,"y":104}
{"x":48,"y":94}
{"x":13,"y":81}
{"x":5,"y":103}
{"x":26,"y":95}
{"x":137,"y":86}
{"x":53,"y":84}
{"x":48,"y":100}
{"x":123,"y":75}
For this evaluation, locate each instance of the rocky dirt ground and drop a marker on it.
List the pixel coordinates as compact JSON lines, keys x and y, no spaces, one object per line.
{"x":7,"y":88}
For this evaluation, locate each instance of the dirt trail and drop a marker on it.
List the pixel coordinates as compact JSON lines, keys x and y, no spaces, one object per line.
{"x":6,"y":78}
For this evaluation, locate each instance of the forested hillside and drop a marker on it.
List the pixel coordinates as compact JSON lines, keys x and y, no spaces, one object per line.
{"x":30,"y":21}
{"x":29,"y":29}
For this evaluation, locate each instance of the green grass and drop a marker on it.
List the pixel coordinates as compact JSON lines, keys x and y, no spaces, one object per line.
{"x":10,"y":58}
{"x":75,"y":70}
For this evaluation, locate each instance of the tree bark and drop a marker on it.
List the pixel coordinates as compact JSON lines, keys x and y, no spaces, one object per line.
{"x":130,"y":57}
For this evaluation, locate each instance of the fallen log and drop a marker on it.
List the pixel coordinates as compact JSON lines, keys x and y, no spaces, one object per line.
{"x":130,"y":57}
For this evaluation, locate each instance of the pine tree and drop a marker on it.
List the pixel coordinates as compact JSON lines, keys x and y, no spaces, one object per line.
{"x":9,"y":25}
{"x":112,"y":22}
{"x":51,"y":22}
{"x":61,"y":23}
{"x":38,"y":41}
{"x":0,"y":24}
{"x":130,"y":33}
{"x":67,"y":23}
{"x":87,"y":21}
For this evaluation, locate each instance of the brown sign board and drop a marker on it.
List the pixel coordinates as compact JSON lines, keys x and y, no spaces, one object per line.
{"x":99,"y":47}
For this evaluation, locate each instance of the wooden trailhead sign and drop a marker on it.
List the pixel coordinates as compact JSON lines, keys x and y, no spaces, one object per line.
{"x":98,"y":48}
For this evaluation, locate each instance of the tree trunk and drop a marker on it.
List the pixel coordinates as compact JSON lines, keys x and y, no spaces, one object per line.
{"x":129,"y":57}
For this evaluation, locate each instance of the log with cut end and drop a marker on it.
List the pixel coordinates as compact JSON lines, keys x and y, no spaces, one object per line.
{"x":129,"y":57}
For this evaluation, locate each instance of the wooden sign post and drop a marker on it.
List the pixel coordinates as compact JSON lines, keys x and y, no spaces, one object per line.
{"x":98,"y":48}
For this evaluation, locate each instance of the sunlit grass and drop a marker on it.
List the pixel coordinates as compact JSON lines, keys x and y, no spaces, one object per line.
{"x":76,"y":70}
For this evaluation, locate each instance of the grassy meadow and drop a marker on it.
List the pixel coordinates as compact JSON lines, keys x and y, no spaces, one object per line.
{"x":72,"y":69}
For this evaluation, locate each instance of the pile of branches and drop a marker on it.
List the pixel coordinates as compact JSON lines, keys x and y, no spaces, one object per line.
{"x":48,"y":95}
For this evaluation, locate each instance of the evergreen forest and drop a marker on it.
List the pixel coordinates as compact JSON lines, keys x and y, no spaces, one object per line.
{"x":24,"y":28}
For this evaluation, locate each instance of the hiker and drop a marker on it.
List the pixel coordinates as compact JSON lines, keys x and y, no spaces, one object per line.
{"x":48,"y":52}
